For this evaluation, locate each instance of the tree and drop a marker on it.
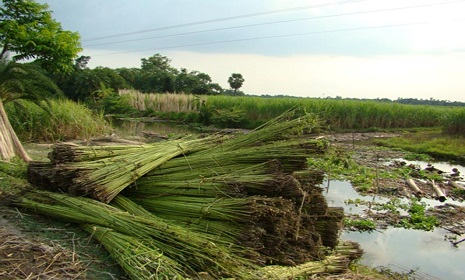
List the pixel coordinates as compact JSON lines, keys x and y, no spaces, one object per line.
{"x":235,"y":81}
{"x":195,"y":82}
{"x":19,"y":81}
{"x":156,"y":75}
{"x":28,"y":31}
{"x":158,"y":63}
{"x":81,"y":62}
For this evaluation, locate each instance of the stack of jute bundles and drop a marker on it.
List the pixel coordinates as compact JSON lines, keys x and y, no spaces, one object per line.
{"x":222,"y":205}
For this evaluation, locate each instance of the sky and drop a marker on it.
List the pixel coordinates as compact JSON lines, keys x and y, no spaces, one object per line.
{"x":314,"y":48}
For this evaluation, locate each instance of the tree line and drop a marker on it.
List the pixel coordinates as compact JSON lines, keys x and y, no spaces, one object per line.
{"x":28,"y":32}
{"x":155,"y":75}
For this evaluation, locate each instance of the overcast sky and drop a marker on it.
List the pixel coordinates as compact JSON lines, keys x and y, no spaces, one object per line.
{"x":314,"y":48}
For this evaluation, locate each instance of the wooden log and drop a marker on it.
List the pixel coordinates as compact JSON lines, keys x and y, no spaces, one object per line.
{"x":457,"y":185}
{"x":414,"y":186}
{"x":440,"y":194}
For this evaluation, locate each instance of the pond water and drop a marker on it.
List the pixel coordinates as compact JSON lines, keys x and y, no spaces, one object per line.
{"x":446,"y":167}
{"x":429,"y":254}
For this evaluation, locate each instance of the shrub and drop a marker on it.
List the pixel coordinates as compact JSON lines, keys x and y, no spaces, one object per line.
{"x":55,"y":120}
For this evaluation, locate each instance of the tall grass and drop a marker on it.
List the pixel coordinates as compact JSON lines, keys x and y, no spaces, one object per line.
{"x":56,"y":120}
{"x":455,"y":123}
{"x":338,"y":114}
{"x":162,"y":102}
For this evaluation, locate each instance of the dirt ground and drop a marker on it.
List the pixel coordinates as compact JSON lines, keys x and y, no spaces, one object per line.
{"x":44,"y":249}
{"x":24,"y":257}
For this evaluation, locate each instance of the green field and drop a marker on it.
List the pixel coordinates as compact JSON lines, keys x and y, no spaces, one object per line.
{"x":335,"y":114}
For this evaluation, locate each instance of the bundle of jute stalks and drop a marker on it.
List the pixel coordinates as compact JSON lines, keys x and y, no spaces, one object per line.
{"x":221,"y":205}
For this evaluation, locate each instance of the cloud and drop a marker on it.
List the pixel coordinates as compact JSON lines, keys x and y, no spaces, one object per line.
{"x":421,"y":60}
{"x":416,"y":76}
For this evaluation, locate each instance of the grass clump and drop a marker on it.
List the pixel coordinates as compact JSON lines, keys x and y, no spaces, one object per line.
{"x":12,"y":176}
{"x":55,"y":120}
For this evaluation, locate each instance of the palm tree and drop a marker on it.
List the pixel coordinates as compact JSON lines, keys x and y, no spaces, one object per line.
{"x":20,"y":81}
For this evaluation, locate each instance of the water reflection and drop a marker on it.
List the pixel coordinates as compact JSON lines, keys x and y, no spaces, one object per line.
{"x":400,"y":249}
{"x":442,"y":166}
{"x":341,"y":191}
{"x":403,"y":250}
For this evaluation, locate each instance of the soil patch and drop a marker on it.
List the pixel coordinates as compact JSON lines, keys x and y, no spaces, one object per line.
{"x":24,"y":257}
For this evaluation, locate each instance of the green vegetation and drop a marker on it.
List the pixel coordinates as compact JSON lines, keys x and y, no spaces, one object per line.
{"x":28,"y":31}
{"x":235,"y":81}
{"x":155,"y":75}
{"x":455,"y":123}
{"x":337,"y":114}
{"x":360,"y":224}
{"x":416,"y":210}
{"x":19,"y":81}
{"x":56,"y":120}
{"x":29,"y":92}
{"x":340,"y":165}
{"x":12,"y":177}
{"x":417,"y":218}
{"x":459,"y":193}
{"x":432,"y":143}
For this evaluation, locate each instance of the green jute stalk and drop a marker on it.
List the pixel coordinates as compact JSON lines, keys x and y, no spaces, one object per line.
{"x":193,"y":251}
{"x":291,"y":154}
{"x":104,"y":178}
{"x":139,"y":258}
{"x":264,"y":178}
{"x":217,"y":231}
{"x":282,"y":127}
{"x":329,"y":265}
{"x":71,"y":152}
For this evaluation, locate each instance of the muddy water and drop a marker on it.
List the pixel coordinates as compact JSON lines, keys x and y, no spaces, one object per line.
{"x":427,"y":253}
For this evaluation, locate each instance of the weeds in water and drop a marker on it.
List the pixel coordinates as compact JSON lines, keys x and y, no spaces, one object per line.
{"x":340,"y":165}
{"x":417,"y":217}
{"x":392,"y":206}
{"x":360,"y":224}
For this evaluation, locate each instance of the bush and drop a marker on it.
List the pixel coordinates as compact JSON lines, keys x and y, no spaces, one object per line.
{"x":115,"y":103}
{"x":55,"y":120}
